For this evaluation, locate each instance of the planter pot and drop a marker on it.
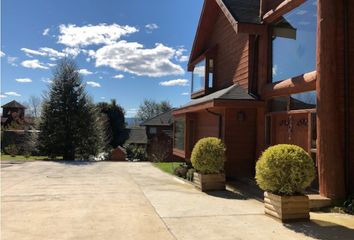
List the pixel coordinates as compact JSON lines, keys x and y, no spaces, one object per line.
{"x":209,"y":182}
{"x":287,"y":208}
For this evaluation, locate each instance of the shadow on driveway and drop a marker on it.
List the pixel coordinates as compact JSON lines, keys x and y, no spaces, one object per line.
{"x":322,"y":230}
{"x":227,"y":195}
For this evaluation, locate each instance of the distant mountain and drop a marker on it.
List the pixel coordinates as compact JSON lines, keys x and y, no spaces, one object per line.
{"x":131,"y":122}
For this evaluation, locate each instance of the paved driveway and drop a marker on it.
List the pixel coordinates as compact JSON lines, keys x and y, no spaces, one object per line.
{"x":112,"y":200}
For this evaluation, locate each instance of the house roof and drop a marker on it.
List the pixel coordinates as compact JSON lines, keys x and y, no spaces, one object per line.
{"x":244,"y":11}
{"x":234,"y":92}
{"x":236,"y":11}
{"x":233,"y":96}
{"x":13,"y":104}
{"x":137,"y":135}
{"x":163,"y":119}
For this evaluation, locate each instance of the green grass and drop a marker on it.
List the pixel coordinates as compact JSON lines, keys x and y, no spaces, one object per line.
{"x":167,"y":166}
{"x":5,"y":157}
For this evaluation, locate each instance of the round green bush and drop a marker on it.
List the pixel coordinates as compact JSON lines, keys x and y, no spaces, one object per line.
{"x":208,"y":155}
{"x":285,"y":169}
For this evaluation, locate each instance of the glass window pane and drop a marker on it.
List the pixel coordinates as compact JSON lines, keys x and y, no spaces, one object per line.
{"x":179,"y":133}
{"x":294,"y":42}
{"x":211,"y":73}
{"x":198,"y":77}
{"x":305,"y":100}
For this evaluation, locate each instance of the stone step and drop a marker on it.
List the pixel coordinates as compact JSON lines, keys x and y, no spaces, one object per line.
{"x":317,"y":201}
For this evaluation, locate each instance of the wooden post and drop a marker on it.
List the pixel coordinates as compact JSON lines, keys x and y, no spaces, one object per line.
{"x":330,"y":96}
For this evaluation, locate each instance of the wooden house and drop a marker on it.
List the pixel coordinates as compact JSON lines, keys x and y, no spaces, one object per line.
{"x":159,"y":131}
{"x":266,"y":72}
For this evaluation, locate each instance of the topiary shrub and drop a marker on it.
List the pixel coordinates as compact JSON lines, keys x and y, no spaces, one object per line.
{"x":285,"y":169}
{"x":208,"y":156}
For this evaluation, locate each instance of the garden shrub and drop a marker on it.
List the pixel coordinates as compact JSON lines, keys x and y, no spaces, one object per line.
{"x":135,"y":152}
{"x":285,"y":169}
{"x":180,"y":171}
{"x":208,"y":155}
{"x":190,"y":174}
{"x":11,"y":150}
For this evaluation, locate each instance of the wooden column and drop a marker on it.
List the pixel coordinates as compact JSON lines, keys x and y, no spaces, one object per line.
{"x":330,"y":96}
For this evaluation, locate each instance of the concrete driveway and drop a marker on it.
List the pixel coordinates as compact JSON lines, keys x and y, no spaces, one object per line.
{"x":113,"y":200}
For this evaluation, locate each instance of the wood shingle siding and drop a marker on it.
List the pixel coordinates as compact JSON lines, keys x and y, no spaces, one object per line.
{"x":232,"y":55}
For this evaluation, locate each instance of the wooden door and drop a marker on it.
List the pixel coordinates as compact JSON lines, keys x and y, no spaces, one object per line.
{"x":291,"y":128}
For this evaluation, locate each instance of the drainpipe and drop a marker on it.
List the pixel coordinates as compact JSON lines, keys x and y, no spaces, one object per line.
{"x":346,"y":98}
{"x":219,"y":115}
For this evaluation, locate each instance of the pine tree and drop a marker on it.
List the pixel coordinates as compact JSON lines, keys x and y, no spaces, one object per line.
{"x":70,"y":124}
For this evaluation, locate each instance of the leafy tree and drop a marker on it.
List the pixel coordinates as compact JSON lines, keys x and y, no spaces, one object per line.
{"x":150,"y":108}
{"x":70,"y":124}
{"x":116,"y":122}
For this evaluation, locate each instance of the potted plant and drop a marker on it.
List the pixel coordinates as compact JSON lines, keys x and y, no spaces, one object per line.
{"x":208,"y":157}
{"x":284,"y":171}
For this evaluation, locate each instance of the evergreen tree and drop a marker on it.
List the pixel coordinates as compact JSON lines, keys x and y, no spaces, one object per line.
{"x":70,"y":124}
{"x":116,"y":122}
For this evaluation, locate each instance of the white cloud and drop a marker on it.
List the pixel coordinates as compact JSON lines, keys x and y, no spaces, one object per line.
{"x":33,"y":64}
{"x":151,"y":26}
{"x":176,"y":82}
{"x":180,"y":55}
{"x":23,"y":80}
{"x":102,"y":98}
{"x":12,"y":61}
{"x":74,"y":36}
{"x":51,"y":64}
{"x":93,"y":84}
{"x":51,"y":53}
{"x":132,"y":111}
{"x":2,"y":54}
{"x":301,"y":12}
{"x":85,"y":72}
{"x":185,"y":94}
{"x":46,"y":80}
{"x":132,"y":57}
{"x":119,"y":76}
{"x":275,"y":70}
{"x":2,"y":96}
{"x":46,"y":31}
{"x":183,"y":58}
{"x":15,"y":94}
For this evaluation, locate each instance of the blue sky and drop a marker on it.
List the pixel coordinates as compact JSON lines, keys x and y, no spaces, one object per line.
{"x":126,"y":50}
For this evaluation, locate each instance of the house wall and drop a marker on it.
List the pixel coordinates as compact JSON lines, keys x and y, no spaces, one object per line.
{"x":232,"y":54}
{"x":206,"y":125}
{"x":240,"y":140}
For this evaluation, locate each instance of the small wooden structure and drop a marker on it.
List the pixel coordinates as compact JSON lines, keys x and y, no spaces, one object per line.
{"x":118,"y":154}
{"x":209,"y":182}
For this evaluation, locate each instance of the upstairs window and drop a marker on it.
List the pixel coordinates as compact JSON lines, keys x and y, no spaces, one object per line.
{"x":203,"y":75}
{"x":294,"y":42}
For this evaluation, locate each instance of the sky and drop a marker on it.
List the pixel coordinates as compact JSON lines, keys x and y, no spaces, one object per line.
{"x":125,"y":50}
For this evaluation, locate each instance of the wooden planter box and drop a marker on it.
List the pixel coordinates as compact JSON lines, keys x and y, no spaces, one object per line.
{"x":287,"y":208}
{"x":209,"y":182}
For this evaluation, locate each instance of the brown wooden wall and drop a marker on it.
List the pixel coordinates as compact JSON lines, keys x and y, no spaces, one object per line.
{"x":231,"y":62}
{"x":206,"y":125}
{"x":240,"y":140}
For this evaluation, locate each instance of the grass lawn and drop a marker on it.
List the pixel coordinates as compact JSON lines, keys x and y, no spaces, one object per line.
{"x":5,"y":157}
{"x":167,"y":166}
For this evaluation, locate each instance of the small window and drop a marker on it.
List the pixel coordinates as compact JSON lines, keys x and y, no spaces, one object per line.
{"x":179,"y":132}
{"x":152,"y":130}
{"x":304,"y":100}
{"x":203,"y":75}
{"x":198,"y":77}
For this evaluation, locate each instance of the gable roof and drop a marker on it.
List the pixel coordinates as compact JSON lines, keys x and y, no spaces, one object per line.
{"x":234,"y":92}
{"x":163,"y":119}
{"x":244,"y":11}
{"x":137,"y":135}
{"x":13,"y":104}
{"x":236,"y":11}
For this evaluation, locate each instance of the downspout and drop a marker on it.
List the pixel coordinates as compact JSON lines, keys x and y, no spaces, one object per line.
{"x":346,"y":99}
{"x":219,"y":115}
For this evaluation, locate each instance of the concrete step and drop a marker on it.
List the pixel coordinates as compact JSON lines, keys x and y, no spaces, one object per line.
{"x":317,"y":201}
